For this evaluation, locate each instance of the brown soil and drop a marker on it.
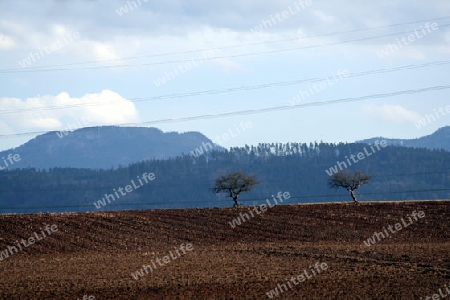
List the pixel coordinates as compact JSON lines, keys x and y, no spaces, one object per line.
{"x":95,"y":253}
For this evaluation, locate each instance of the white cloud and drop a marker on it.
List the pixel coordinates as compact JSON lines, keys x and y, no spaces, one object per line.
{"x":323,"y":16}
{"x":45,"y":123}
{"x":59,"y":30}
{"x":445,"y":48}
{"x":103,"y":51}
{"x":391,"y":113}
{"x":228,"y":65}
{"x":414,"y":54}
{"x":104,"y":108}
{"x":6,"y":42}
{"x":116,"y":110}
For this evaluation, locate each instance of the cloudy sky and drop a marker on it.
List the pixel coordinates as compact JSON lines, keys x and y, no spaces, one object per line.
{"x":297,"y":71}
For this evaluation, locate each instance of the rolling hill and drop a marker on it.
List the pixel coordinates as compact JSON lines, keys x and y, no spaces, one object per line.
{"x":104,"y":147}
{"x":440,"y":139}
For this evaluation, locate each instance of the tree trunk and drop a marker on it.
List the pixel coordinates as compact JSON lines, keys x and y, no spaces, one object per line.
{"x":236,"y":202}
{"x":352,"y":193}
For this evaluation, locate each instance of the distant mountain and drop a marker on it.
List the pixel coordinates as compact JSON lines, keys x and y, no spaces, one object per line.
{"x":440,"y":139}
{"x":104,"y":147}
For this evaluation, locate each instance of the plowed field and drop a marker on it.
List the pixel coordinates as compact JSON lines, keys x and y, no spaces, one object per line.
{"x":95,"y":254}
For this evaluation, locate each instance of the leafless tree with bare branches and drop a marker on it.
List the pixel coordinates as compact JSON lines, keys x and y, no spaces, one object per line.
{"x":349,"y":181}
{"x":234,"y":183}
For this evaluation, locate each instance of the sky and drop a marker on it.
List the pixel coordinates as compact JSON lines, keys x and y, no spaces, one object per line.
{"x":266,"y":71}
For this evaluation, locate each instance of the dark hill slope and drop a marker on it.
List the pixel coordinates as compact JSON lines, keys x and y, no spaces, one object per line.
{"x":104,"y":147}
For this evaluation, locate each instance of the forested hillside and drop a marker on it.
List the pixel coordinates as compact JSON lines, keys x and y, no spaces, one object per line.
{"x":301,"y":170}
{"x":440,"y":139}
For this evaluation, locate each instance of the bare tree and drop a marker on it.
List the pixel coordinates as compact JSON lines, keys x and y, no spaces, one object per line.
{"x":234,"y":183}
{"x":349,"y":181}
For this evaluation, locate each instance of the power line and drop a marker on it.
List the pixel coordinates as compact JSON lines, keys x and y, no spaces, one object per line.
{"x":231,"y":46}
{"x":165,"y":185}
{"x":212,"y":58}
{"x":232,"y":89}
{"x":212,"y":201}
{"x":264,"y":110}
{"x":110,"y":189}
{"x":286,"y":107}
